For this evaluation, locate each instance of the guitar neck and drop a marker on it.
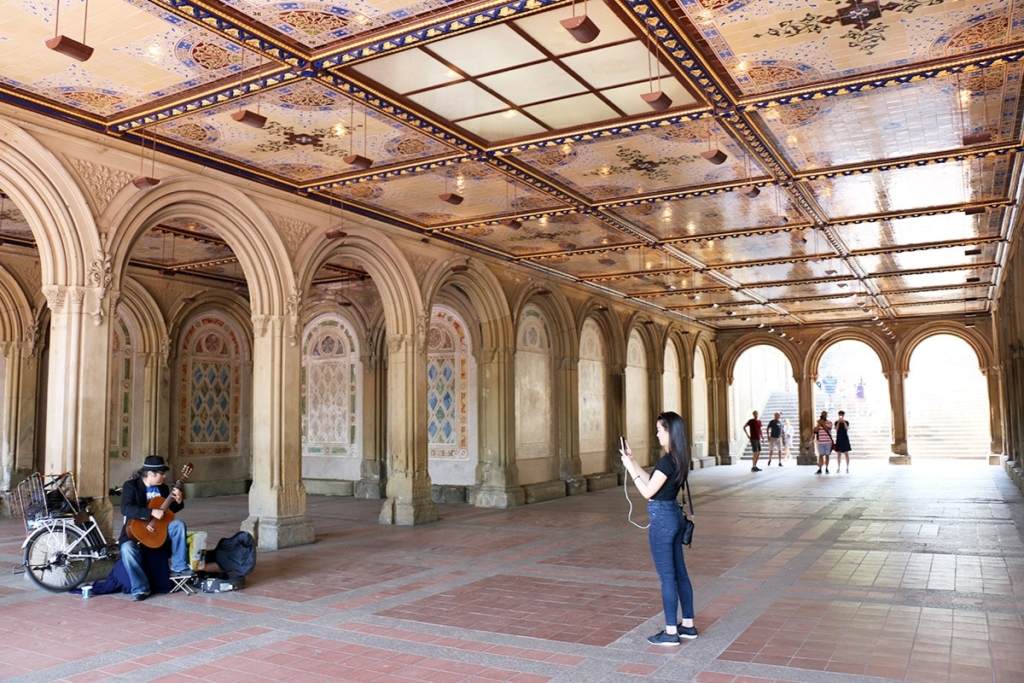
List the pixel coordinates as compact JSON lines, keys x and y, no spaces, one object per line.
{"x":168,"y":499}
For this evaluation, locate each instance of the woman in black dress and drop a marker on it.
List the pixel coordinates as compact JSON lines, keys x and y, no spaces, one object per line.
{"x":843,"y":441}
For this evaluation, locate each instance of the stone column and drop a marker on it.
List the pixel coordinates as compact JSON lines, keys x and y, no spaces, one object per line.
{"x":615,"y":409}
{"x":806,"y":453}
{"x":16,"y":356}
{"x":77,"y":388}
{"x":899,"y":419}
{"x":497,"y":473}
{"x":408,"y":487}
{"x":277,"y":498}
{"x":720,"y":426}
{"x":152,"y":367}
{"x":995,"y":422}
{"x":567,"y":409}
{"x":372,"y":474}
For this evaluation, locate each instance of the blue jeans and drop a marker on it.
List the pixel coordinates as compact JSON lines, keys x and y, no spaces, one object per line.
{"x":131,"y":555}
{"x":666,"y":537}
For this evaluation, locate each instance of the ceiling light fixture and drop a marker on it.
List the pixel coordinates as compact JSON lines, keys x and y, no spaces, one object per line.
{"x":581,"y":28}
{"x":68,"y":46}
{"x":975,"y":210}
{"x":510,"y":222}
{"x":143,"y":181}
{"x":450,"y":197}
{"x":655,"y":99}
{"x":359,"y":161}
{"x":334,"y":233}
{"x":246,"y":117}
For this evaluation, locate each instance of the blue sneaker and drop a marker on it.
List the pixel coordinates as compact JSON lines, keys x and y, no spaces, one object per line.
{"x":688,"y":632}
{"x":664,"y":639}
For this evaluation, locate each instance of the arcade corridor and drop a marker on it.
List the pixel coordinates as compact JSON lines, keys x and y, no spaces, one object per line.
{"x":886,"y":574}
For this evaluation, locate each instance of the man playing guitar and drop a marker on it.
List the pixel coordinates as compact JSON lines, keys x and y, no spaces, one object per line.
{"x":144,"y":486}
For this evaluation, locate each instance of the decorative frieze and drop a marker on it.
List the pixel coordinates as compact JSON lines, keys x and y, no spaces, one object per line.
{"x":292,"y":231}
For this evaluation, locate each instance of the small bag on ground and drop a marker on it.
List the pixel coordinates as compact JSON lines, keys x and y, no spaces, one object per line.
{"x":235,"y":557}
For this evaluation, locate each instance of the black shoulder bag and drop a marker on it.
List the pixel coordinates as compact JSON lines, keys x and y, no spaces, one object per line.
{"x":687,"y":520}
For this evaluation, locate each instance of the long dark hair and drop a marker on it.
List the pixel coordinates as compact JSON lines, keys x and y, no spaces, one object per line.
{"x":678,"y":444}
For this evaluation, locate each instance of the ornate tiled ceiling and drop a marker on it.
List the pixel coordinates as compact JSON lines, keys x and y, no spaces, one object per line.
{"x":871,"y":150}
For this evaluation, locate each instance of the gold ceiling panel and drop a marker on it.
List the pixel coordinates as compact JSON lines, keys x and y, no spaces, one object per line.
{"x":884,"y":138}
{"x":555,"y":233}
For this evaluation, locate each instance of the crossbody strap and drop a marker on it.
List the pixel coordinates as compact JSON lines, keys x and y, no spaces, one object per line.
{"x":688,"y":496}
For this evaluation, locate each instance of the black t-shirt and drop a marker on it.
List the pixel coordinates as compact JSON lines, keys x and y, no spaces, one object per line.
{"x":775,"y":429}
{"x":670,"y":489}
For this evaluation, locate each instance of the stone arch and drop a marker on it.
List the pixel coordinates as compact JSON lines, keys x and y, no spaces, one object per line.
{"x":712,"y":367}
{"x":981,"y":347}
{"x":833,"y":336}
{"x":65,"y":232}
{"x":215,"y":300}
{"x":391,"y":273}
{"x":683,"y":340}
{"x":237,"y":220}
{"x":483,"y":293}
{"x":144,"y":309}
{"x":605,"y":319}
{"x":565,"y":340}
{"x":16,"y":318}
{"x":749,"y":341}
{"x":653,"y":337}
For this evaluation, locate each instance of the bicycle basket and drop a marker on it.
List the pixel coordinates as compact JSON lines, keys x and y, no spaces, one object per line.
{"x":39,"y":497}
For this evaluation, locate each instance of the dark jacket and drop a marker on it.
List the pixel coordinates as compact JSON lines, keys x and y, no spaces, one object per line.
{"x":135,"y":506}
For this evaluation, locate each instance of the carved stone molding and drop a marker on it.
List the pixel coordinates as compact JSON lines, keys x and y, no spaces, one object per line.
{"x":100,"y":277}
{"x":399,"y":342}
{"x":293,"y":308}
{"x":101,"y":182}
{"x":55,"y":296}
{"x":77,"y":296}
{"x":259,"y":325}
{"x":292,"y":231}
{"x":420,"y":265}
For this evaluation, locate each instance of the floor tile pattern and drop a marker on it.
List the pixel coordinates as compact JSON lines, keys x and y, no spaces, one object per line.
{"x":910,"y":574}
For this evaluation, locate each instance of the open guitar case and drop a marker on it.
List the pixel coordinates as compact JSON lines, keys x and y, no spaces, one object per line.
{"x":235,"y":557}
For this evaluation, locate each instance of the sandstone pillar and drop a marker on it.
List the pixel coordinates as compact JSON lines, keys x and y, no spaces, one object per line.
{"x":807,"y":454}
{"x":995,"y":422}
{"x":899,"y":419}
{"x":277,"y":498}
{"x":372,"y":473}
{"x":408,"y":487}
{"x":496,"y":470}
{"x":720,"y":425}
{"x":567,"y":408}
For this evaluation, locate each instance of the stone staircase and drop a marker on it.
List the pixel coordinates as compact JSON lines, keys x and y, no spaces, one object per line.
{"x":950,"y":428}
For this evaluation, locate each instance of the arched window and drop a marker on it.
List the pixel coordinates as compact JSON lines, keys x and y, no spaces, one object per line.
{"x":330,"y":395}
{"x":638,"y":410}
{"x":535,"y":456}
{"x":451,"y":400}
{"x":211,"y":373}
{"x":700,"y":405}
{"x":592,"y":405}
{"x":671,"y":381}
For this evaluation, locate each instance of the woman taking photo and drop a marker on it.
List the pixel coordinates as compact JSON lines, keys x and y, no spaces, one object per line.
{"x":661,"y":488}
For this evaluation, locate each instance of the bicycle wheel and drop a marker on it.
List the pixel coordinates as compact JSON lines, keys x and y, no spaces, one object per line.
{"x":55,"y":558}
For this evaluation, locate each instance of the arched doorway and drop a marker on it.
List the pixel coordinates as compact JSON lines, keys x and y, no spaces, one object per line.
{"x":700,"y":405}
{"x":850,"y":379}
{"x":763,"y":382}
{"x":946,"y":401}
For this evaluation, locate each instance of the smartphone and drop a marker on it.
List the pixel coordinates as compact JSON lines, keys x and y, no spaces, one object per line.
{"x":622,"y":444}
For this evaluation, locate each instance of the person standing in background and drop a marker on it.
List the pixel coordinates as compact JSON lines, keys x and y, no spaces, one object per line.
{"x":842,"y":441}
{"x":787,"y":437}
{"x":752,"y":429}
{"x":775,"y":438}
{"x":665,"y":533}
{"x":823,"y":440}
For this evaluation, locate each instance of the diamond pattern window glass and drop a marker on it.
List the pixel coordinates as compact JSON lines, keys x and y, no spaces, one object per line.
{"x":210,"y":367}
{"x":447,"y":386}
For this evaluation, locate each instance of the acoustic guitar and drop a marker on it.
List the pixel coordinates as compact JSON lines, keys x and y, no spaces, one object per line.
{"x":153,"y":533}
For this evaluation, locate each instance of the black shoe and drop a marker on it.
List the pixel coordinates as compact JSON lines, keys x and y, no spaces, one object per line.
{"x":826,"y":470}
{"x":664,"y":639}
{"x":139,"y":597}
{"x":780,"y":464}
{"x":688,"y":632}
{"x":819,"y":471}
{"x":755,"y":469}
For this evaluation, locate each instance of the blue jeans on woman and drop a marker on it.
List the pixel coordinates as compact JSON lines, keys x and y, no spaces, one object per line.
{"x":666,"y":537}
{"x":131,"y":556}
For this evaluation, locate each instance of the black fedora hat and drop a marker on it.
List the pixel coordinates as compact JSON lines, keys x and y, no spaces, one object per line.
{"x":155,"y":463}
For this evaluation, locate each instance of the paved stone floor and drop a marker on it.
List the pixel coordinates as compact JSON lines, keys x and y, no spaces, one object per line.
{"x":888,"y":573}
